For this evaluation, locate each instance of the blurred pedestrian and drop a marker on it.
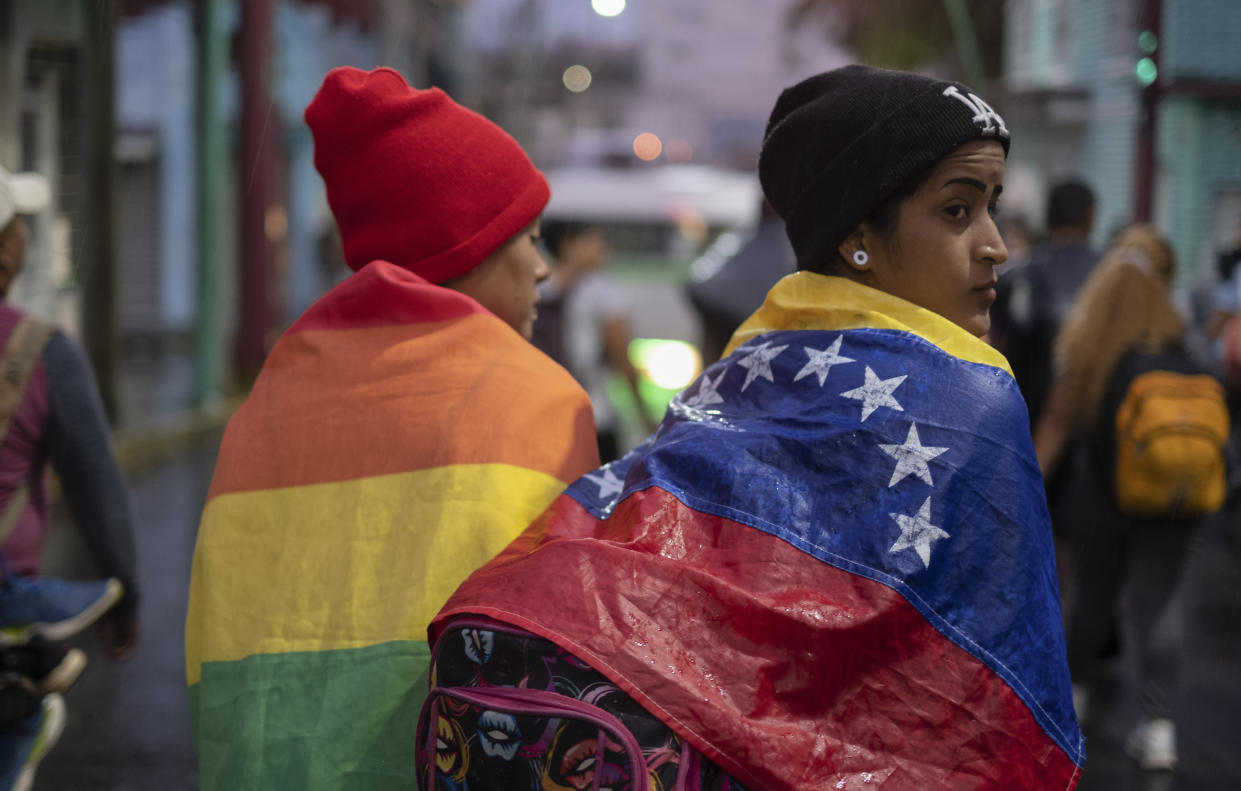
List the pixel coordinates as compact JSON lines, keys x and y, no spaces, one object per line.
{"x":831,"y":566}
{"x":50,"y":411}
{"x":1035,"y":294}
{"x":589,"y":334}
{"x":1019,"y":240}
{"x":1156,"y":426}
{"x":735,"y":289}
{"x":401,"y":432}
{"x":1033,"y":298}
{"x":1224,"y":319}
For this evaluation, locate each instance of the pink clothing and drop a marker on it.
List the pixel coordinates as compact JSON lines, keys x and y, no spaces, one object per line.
{"x":23,"y":456}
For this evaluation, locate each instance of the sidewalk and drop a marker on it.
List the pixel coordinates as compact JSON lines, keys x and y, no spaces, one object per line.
{"x":128,"y":726}
{"x":157,"y":417}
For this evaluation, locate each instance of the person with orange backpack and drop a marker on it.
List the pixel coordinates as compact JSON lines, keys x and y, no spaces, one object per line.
{"x":1157,"y":427}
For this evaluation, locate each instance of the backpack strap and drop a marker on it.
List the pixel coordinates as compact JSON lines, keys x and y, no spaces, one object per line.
{"x":21,"y":352}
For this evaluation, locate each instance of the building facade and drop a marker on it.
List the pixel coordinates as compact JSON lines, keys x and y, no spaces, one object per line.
{"x":1157,"y":139}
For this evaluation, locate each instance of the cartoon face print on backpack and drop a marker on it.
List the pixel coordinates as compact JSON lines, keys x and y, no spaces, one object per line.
{"x":578,"y":754}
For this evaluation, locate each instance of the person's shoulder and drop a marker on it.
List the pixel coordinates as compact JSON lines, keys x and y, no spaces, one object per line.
{"x":532,"y":378}
{"x":599,"y":292}
{"x":1071,"y":256}
{"x":1134,"y":363}
{"x":10,"y":315}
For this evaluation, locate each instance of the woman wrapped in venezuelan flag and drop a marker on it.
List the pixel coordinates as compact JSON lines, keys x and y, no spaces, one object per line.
{"x":401,"y":432}
{"x":831,"y":566}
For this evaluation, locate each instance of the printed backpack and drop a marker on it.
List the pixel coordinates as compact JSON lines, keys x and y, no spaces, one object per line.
{"x":1171,"y":430}
{"x":510,"y":710}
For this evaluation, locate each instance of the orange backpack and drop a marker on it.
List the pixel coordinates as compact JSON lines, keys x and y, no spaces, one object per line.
{"x":1171,"y":430}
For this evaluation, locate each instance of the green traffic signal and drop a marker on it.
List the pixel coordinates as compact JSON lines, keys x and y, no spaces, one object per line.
{"x":1148,"y":42}
{"x":1146,"y":72}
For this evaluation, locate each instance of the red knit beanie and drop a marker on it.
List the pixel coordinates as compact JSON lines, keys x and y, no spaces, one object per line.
{"x":415,"y":178}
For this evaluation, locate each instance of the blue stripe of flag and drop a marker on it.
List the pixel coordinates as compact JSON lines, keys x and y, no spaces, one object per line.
{"x":794,"y":458}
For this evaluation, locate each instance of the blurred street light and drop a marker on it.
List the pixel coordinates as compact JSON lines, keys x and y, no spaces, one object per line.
{"x":1147,"y":72}
{"x":647,"y":146}
{"x":679,"y":151}
{"x":671,"y":364}
{"x":576,"y":78}
{"x":608,"y":7}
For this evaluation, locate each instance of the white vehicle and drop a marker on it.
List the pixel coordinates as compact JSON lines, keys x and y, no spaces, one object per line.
{"x":663,"y":216}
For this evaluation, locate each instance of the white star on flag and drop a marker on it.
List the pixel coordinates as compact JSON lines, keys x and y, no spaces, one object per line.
{"x":707,"y":395}
{"x":608,"y":483}
{"x":876,"y":392}
{"x":758,"y":363}
{"x":912,"y":457}
{"x":821,"y":361}
{"x":917,"y":533}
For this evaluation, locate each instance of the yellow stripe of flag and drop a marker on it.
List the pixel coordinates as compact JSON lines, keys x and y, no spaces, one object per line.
{"x":810,"y":301}
{"x":343,"y":565}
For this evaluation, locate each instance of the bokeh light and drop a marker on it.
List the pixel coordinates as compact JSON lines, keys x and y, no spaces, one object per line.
{"x":671,"y":364}
{"x":576,"y":78}
{"x":608,"y":7}
{"x":679,"y":151}
{"x":276,"y":223}
{"x":1147,"y":72}
{"x":647,"y":146}
{"x":692,"y":225}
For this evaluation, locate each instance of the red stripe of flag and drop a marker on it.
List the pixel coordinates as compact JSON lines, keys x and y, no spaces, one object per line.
{"x":788,"y":672}
{"x":383,"y":294}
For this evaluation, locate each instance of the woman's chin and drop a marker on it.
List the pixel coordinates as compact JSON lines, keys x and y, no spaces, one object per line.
{"x":977,"y":325}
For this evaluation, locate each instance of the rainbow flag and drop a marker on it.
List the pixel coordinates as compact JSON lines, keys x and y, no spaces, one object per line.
{"x":398,"y":436}
{"x":831,"y":567}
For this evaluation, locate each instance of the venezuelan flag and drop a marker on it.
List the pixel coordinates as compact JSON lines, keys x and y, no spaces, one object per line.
{"x":831,"y":567}
{"x":397,"y":438}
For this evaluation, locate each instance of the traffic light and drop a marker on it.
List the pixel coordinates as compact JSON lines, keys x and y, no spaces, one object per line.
{"x":1146,"y":70}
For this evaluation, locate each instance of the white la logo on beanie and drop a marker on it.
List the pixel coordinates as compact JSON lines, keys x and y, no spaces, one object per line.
{"x":991,"y":121}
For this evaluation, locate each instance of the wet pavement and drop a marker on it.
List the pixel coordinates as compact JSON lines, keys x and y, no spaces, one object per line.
{"x":128,"y":722}
{"x":1208,"y":703}
{"x":128,"y":726}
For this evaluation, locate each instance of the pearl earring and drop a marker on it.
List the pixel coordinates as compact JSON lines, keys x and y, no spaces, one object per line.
{"x":860,"y":259}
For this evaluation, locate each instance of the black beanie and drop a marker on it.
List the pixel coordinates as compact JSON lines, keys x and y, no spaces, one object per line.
{"x":841,"y":143}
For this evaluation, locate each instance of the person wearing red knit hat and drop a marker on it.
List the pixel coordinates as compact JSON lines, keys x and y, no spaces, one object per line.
{"x":401,"y":433}
{"x":415,"y":179}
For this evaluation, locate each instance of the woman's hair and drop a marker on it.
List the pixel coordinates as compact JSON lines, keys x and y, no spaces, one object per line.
{"x":882,"y":221}
{"x":1125,"y":304}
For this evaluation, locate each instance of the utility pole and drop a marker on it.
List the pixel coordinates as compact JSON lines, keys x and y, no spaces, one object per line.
{"x":966,"y":41}
{"x":100,"y":335}
{"x":1144,"y":179}
{"x":260,"y":129}
{"x":210,"y":164}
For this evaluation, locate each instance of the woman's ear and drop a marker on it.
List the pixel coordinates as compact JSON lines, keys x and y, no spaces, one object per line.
{"x":853,"y":251}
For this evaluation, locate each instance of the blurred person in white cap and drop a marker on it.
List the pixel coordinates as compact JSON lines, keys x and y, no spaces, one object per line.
{"x":50,"y":411}
{"x":20,"y":193}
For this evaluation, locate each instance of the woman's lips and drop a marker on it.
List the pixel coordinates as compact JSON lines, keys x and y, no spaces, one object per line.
{"x":987,"y":291}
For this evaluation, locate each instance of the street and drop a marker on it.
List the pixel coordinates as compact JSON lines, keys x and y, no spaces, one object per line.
{"x":128,"y":722}
{"x":128,"y":726}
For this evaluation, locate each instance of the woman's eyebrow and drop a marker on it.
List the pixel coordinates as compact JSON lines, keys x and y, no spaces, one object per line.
{"x":975,"y":183}
{"x":969,"y":182}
